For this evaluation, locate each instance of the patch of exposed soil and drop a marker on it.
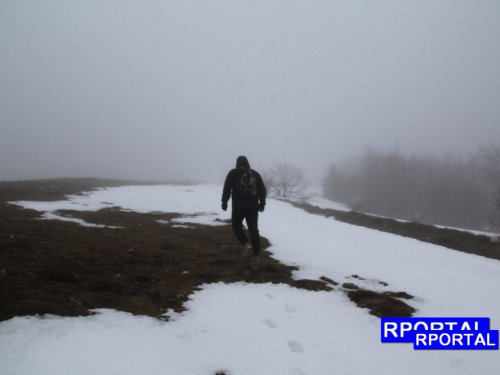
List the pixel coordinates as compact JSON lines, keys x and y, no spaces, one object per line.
{"x":382,"y":304}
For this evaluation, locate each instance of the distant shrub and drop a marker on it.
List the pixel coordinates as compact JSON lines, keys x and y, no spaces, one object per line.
{"x":285,"y":181}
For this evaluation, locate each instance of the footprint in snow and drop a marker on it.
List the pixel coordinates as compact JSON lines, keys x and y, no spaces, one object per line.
{"x":295,"y":347}
{"x":269,"y":323}
{"x":290,"y":308}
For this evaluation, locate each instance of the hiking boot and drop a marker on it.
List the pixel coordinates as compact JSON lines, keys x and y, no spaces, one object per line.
{"x":247,"y":249}
{"x":255,"y":260}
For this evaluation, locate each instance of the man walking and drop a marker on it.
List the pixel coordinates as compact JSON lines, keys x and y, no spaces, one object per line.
{"x":248,"y":193}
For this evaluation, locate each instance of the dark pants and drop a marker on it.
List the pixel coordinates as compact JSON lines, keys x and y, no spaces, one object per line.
{"x":252,"y":218}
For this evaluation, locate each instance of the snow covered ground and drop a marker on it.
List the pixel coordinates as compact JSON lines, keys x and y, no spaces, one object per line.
{"x":267,"y":329}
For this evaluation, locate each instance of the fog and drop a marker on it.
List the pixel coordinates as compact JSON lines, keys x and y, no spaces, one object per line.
{"x":176,"y":90}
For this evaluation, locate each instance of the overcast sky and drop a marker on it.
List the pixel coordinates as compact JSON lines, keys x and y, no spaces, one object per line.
{"x":176,"y":89}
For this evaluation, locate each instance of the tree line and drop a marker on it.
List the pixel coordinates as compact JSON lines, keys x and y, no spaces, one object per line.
{"x":450,"y":191}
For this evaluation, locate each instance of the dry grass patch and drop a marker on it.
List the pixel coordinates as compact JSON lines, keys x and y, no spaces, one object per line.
{"x":382,"y":304}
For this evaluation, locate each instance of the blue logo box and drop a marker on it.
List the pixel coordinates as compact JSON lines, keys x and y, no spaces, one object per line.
{"x":440,"y":333}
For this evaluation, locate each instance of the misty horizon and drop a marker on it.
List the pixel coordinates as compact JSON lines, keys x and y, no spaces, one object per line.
{"x":157,"y":91}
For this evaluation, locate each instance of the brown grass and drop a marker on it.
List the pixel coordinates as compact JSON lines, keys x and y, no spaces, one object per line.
{"x":382,"y":304}
{"x":63,"y":268}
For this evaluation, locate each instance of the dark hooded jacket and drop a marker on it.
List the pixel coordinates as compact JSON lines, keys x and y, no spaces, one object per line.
{"x":240,"y":201}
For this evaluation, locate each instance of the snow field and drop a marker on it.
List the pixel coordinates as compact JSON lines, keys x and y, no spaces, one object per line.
{"x":267,"y":329}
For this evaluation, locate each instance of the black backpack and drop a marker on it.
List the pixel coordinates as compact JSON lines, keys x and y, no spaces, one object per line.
{"x":247,"y":184}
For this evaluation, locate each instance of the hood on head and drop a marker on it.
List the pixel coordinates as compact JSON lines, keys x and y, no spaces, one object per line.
{"x":242,"y":162}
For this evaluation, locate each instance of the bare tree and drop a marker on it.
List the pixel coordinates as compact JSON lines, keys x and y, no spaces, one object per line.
{"x":494,"y":217}
{"x":337,"y":185}
{"x":488,"y":161}
{"x":285,"y":181}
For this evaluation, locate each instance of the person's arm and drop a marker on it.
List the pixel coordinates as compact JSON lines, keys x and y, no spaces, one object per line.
{"x":226,"y":191}
{"x":262,"y":192}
